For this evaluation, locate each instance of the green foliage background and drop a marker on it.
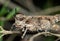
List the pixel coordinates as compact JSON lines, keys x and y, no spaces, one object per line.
{"x":9,"y":14}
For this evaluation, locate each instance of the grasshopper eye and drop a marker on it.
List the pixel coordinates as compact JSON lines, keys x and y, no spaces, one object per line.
{"x":22,"y":18}
{"x":27,"y":21}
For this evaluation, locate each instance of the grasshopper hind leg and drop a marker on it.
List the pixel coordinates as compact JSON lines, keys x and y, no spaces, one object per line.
{"x":24,"y":33}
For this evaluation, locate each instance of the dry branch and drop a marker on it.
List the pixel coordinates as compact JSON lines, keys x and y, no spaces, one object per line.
{"x":39,"y":34}
{"x":4,"y":32}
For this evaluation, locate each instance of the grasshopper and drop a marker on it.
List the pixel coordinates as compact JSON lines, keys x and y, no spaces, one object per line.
{"x":36,"y":23}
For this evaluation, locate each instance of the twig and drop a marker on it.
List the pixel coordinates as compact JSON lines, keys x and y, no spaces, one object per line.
{"x":48,"y":10}
{"x":31,"y":39}
{"x":12,"y":5}
{"x":28,"y":4}
{"x":2,"y":35}
{"x":57,"y":39}
{"x":9,"y":32}
{"x":4,"y":32}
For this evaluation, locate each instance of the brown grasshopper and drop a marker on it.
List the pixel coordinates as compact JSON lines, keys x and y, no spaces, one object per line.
{"x":36,"y":23}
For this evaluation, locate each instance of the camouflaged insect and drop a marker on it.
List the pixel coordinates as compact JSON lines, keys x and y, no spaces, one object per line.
{"x":36,"y":23}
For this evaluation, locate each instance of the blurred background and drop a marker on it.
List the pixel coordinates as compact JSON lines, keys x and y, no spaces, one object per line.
{"x":9,"y":8}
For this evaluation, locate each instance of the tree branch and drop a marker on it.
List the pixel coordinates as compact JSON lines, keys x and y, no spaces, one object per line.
{"x":39,"y":34}
{"x":4,"y":32}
